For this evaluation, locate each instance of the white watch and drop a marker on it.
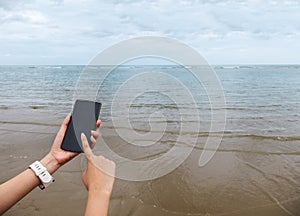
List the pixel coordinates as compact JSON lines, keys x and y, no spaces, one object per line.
{"x":41,"y":172}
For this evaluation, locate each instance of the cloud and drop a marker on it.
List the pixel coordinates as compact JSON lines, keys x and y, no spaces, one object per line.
{"x":5,"y":5}
{"x":72,"y":31}
{"x":31,"y":17}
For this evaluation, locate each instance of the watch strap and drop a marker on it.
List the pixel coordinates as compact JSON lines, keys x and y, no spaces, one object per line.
{"x":41,"y":172}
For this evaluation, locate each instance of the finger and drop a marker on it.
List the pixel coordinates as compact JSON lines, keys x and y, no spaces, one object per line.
{"x":62,"y":130}
{"x":98,"y":123}
{"x":86,"y":147}
{"x":93,"y":145}
{"x":95,"y":134}
{"x":93,"y":140}
{"x":65,"y":123}
{"x":67,"y":119}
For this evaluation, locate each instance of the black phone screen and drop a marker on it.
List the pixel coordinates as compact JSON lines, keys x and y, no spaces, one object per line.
{"x":83,"y":120}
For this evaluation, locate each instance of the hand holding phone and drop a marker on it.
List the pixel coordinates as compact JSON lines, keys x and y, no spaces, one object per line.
{"x":83,"y":120}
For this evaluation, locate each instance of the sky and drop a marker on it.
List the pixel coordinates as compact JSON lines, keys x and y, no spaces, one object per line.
{"x":55,"y":32}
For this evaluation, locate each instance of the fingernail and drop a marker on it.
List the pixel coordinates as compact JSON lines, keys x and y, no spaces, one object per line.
{"x":82,"y":135}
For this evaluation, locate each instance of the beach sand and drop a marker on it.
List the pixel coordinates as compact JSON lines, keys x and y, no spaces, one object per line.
{"x":247,"y":176}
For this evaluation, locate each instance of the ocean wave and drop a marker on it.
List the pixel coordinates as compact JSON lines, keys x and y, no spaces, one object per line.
{"x":278,"y":138}
{"x":179,"y":106}
{"x":256,"y":67}
{"x":227,"y":67}
{"x":167,"y":106}
{"x":249,"y":151}
{"x":52,"y":67}
{"x":234,"y":134}
{"x":28,"y":123}
{"x":38,"y":106}
{"x":228,"y":134}
{"x":205,"y":107}
{"x":25,"y":131}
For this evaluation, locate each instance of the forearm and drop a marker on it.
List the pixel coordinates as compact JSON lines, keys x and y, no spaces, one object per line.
{"x":18,"y":187}
{"x":97,"y":203}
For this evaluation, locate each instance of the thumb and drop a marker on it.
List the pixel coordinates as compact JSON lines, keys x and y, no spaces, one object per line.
{"x":86,"y":147}
{"x":65,"y":123}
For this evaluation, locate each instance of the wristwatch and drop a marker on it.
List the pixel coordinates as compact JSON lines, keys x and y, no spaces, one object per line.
{"x":41,"y":172}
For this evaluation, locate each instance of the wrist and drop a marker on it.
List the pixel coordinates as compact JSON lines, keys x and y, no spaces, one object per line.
{"x":94,"y":193}
{"x":50,"y":163}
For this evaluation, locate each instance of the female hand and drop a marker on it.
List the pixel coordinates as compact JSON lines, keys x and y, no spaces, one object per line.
{"x":57,"y":156}
{"x":100,"y":172}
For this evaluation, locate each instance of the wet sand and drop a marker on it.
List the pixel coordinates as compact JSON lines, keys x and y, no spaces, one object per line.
{"x":247,"y":176}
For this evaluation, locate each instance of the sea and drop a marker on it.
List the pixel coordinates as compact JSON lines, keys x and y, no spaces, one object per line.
{"x":262,"y":101}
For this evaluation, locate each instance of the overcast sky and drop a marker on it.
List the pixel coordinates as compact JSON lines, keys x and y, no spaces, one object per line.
{"x":224,"y":32}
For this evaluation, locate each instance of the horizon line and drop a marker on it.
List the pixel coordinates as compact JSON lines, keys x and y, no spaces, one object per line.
{"x":252,"y":64}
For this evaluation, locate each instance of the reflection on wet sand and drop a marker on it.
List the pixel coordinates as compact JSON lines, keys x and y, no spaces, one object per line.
{"x":253,"y":181}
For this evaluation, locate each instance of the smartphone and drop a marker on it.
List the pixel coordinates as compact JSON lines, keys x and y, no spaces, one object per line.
{"x":83,"y":119}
